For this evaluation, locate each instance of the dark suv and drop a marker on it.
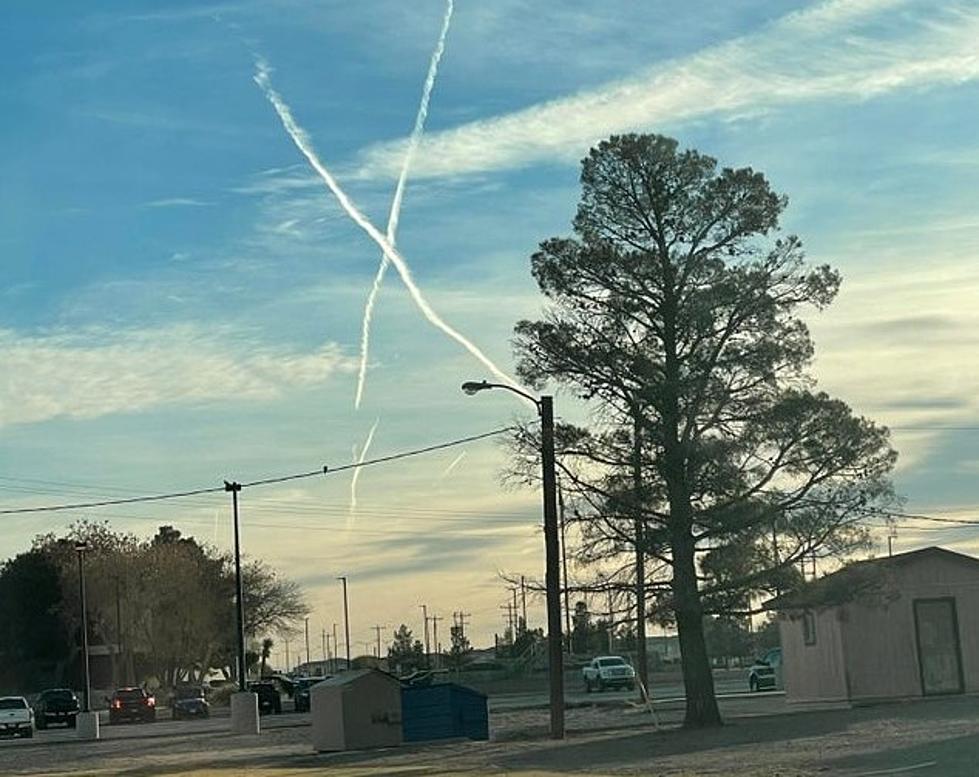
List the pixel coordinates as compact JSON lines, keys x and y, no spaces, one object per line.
{"x":300,"y":696}
{"x":189,"y":702}
{"x":56,"y":705}
{"x":269,"y":699}
{"x":132,"y":704}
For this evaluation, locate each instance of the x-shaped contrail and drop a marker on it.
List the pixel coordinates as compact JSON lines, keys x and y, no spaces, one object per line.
{"x":305,"y":146}
{"x":399,"y":191}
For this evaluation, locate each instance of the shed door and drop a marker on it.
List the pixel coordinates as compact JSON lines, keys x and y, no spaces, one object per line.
{"x":939,"y":657}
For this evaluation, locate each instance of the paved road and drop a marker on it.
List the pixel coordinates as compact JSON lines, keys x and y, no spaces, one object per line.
{"x":163,"y":727}
{"x":725,"y":687}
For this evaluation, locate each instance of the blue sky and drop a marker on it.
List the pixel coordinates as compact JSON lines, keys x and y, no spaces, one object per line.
{"x":182,"y":297}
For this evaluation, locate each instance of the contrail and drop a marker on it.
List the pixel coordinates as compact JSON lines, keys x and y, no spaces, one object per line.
{"x":357,"y":470}
{"x":453,"y":465}
{"x":304,"y":144}
{"x":399,"y":191}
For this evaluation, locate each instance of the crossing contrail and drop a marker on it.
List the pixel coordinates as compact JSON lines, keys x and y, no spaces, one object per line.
{"x":305,"y":146}
{"x":453,"y":465}
{"x":356,"y":476}
{"x":399,"y":191}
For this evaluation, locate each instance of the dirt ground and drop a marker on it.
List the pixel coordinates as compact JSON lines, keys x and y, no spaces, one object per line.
{"x":924,"y":737}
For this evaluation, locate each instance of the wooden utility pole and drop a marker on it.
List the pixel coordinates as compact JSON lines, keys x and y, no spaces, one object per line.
{"x":523,"y":600}
{"x":428,"y":657}
{"x":564,"y":564}
{"x":435,"y":637}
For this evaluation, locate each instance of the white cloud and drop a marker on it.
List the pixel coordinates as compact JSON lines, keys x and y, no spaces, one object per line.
{"x":815,"y":54}
{"x":900,"y":348}
{"x":97,"y":372}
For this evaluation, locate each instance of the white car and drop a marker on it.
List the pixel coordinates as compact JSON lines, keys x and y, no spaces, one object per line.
{"x":16,"y":717}
{"x":608,"y":672}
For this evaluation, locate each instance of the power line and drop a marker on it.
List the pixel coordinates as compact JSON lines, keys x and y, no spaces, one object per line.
{"x":263,"y":482}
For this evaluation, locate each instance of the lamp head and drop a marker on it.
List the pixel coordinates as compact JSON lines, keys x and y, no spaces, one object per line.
{"x":471,"y":387}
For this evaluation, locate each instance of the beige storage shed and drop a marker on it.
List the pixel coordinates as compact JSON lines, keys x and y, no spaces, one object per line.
{"x":888,"y":628}
{"x":356,"y":710}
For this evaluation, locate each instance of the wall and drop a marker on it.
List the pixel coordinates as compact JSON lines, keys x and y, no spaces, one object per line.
{"x":882,"y":652}
{"x":813,"y":672}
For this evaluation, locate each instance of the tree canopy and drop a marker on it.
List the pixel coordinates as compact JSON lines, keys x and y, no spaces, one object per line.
{"x":166,"y":602}
{"x":674,"y":313}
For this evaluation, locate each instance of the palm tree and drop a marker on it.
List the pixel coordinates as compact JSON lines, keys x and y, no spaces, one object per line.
{"x":267,"y":644}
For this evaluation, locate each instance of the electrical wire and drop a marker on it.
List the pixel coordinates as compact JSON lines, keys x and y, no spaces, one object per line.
{"x":326,"y":470}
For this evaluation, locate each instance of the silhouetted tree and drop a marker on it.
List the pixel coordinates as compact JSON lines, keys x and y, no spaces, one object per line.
{"x":405,"y":654}
{"x":673,"y":311}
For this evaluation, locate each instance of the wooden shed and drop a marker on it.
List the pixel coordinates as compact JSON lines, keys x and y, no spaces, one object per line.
{"x":888,"y":628}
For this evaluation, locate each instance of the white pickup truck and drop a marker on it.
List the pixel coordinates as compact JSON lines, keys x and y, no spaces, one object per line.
{"x":608,"y":672}
{"x":16,"y":717}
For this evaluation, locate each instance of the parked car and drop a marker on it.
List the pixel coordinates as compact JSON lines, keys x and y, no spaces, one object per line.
{"x":189,"y":702}
{"x":132,"y":704}
{"x":269,"y":699}
{"x":608,"y":672}
{"x":16,"y":717}
{"x":766,"y":673}
{"x":300,"y":697}
{"x":56,"y":705}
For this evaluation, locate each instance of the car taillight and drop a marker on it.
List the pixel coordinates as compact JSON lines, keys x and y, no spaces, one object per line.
{"x":151,"y":702}
{"x":117,"y":704}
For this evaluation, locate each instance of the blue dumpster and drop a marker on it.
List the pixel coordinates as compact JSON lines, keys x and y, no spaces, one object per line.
{"x":446,"y":711}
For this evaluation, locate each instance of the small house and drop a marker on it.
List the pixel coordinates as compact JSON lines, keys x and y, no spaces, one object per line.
{"x":888,"y":628}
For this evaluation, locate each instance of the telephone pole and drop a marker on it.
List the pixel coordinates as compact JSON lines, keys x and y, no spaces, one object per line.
{"x":428,"y":660}
{"x":378,"y":628}
{"x":435,"y":637}
{"x":523,"y":600}
{"x":309,"y":658}
{"x":564,"y":565}
{"x":323,"y":639}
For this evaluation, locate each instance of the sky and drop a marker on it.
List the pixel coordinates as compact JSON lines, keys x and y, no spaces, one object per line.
{"x":181,"y":299}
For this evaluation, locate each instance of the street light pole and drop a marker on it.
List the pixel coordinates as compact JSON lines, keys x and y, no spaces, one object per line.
{"x":346,"y":618}
{"x":234,"y":488}
{"x":81,"y":548}
{"x":552,"y":558}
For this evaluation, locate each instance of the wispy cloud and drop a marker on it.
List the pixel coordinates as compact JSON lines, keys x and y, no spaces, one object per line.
{"x":827,"y":52}
{"x":177,"y":202}
{"x":99,"y":372}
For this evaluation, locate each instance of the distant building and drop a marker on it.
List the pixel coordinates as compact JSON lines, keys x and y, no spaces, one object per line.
{"x":319,"y":668}
{"x":666,"y":647}
{"x":886,"y":628}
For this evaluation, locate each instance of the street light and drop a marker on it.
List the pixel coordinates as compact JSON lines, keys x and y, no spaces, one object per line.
{"x":552,"y":579}
{"x":234,"y":488}
{"x":81,"y":548}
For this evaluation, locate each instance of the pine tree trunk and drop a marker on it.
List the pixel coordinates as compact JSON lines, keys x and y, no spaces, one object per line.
{"x":698,"y":680}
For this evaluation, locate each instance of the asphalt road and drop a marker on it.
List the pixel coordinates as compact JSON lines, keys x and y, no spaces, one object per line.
{"x":163,"y":727}
{"x":724,"y":687}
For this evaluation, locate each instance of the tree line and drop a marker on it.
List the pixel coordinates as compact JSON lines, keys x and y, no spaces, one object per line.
{"x":162,"y":608}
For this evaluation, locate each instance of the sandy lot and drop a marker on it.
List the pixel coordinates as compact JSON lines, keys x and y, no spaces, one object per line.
{"x":925,"y":737}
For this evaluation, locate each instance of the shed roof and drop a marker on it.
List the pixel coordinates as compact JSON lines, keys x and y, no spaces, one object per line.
{"x":859,"y":578}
